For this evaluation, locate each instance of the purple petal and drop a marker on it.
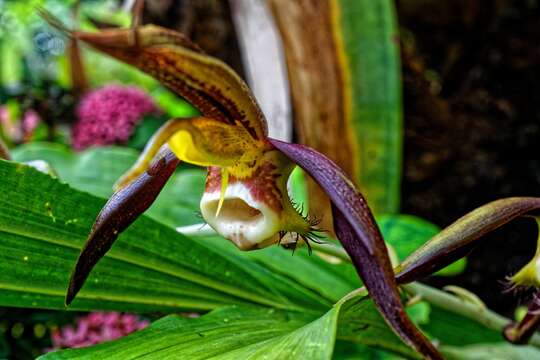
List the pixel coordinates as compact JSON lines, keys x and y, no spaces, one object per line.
{"x":122,"y":209}
{"x":456,"y":240}
{"x":361,"y":238}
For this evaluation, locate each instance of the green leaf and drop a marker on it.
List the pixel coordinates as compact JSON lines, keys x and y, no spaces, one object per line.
{"x":359,"y":322}
{"x":453,"y":329}
{"x":500,"y":351}
{"x":367,"y":32}
{"x":331,"y":280}
{"x":406,"y":233}
{"x":96,"y":170}
{"x":346,"y":350}
{"x":241,"y":332}
{"x":228,"y":333}
{"x":43,"y":224}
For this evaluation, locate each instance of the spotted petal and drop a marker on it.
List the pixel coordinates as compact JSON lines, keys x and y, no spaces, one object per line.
{"x":206,"y":82}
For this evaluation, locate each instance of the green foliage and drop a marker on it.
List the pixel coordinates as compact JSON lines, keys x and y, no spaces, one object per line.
{"x":455,"y":330}
{"x":502,"y":351}
{"x":406,"y":233}
{"x":43,"y":216}
{"x":44,"y":223}
{"x":368,"y":33}
{"x":266,"y":302}
{"x":331,"y":280}
{"x":256,"y":333}
{"x":254,"y":329}
{"x":96,"y":170}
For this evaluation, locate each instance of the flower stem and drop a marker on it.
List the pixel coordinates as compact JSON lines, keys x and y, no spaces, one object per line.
{"x":451,"y":303}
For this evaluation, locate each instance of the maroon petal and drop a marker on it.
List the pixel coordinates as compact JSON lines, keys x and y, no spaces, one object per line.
{"x":357,"y":231}
{"x":456,"y":240}
{"x":122,"y":209}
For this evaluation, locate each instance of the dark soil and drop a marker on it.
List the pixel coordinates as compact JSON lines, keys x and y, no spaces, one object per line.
{"x":472,"y":119}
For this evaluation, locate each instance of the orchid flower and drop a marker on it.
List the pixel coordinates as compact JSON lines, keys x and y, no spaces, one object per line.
{"x":245,"y":199}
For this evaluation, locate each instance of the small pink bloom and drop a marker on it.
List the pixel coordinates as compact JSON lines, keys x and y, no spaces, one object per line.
{"x":30,"y":122}
{"x":109,"y":115}
{"x":95,"y":328}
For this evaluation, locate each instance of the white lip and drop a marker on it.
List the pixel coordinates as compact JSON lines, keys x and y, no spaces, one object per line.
{"x":245,"y":221}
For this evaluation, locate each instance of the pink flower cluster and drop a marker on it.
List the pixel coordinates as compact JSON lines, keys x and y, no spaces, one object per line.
{"x":95,"y":328}
{"x":108,"y":115}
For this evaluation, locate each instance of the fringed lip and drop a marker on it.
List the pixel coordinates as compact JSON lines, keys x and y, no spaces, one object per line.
{"x":253,"y":211}
{"x":246,"y":221}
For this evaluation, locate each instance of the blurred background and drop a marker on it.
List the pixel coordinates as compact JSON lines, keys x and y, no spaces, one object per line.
{"x":470,"y":110}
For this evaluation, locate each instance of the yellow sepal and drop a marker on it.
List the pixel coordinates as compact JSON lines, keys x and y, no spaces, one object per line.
{"x":199,"y":141}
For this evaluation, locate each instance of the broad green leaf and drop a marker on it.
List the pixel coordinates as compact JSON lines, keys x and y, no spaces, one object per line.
{"x":228,"y":333}
{"x":407,"y":233}
{"x":453,"y":329}
{"x":96,"y":170}
{"x":367,"y":36}
{"x":331,"y":280}
{"x":243,"y":333}
{"x":359,"y":322}
{"x":500,"y":351}
{"x":312,"y":341}
{"x":346,"y":350}
{"x":43,"y":224}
